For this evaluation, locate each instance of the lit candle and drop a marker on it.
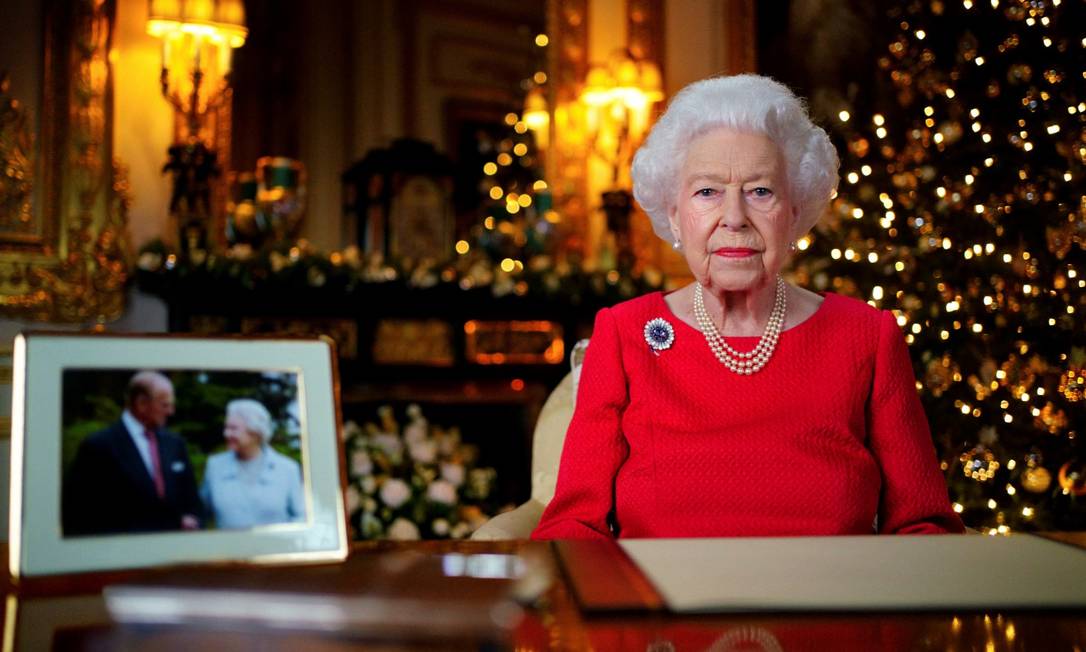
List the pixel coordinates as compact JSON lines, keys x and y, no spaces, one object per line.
{"x":166,"y":51}
{"x":225,"y":52}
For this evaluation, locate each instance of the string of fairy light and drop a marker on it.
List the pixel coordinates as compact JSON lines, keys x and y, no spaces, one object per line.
{"x":927,"y":212}
{"x":513,"y":152}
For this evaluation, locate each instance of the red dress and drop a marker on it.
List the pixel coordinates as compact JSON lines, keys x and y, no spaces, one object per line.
{"x":828,"y":438}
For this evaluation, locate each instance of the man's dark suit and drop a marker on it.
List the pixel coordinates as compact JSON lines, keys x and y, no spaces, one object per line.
{"x":108,"y":488}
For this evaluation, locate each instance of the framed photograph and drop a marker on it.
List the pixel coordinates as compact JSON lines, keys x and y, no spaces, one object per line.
{"x":136,"y":451}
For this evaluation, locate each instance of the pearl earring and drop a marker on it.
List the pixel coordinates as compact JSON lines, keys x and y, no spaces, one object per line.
{"x":677,"y":246}
{"x":792,"y":247}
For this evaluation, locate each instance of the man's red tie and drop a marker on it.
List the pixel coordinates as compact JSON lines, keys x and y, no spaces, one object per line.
{"x":156,"y":465}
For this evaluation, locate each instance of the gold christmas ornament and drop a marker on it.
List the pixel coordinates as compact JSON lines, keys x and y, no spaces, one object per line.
{"x":1051,"y":419}
{"x":1059,"y":240}
{"x":1036,"y":479}
{"x":1073,"y":479}
{"x":1073,"y":384}
{"x":979,"y":463}
{"x":859,"y":146}
{"x":983,"y":389}
{"x":1018,"y":375}
{"x":967,"y":46}
{"x":1019,"y":73}
{"x":940,"y":374}
{"x":951,"y":131}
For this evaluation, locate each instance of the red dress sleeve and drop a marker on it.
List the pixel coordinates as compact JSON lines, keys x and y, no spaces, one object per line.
{"x":595,"y":447}
{"x":914,"y":494}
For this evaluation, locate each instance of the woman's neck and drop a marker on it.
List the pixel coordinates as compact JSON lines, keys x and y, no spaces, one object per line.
{"x":250,"y":454}
{"x":742,"y":313}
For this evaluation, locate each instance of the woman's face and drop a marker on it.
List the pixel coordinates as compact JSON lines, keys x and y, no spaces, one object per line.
{"x":733,"y":215}
{"x":239,"y":439}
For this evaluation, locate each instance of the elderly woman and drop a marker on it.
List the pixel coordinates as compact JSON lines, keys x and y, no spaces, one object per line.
{"x":742,"y":405}
{"x":251,"y":484}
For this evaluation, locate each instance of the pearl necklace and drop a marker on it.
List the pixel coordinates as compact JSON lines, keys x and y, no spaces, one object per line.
{"x":751,"y":361}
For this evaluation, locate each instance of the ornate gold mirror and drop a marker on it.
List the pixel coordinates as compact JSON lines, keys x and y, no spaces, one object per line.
{"x":63,"y":199}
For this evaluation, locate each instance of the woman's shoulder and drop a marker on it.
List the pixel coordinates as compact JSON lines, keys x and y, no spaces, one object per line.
{"x":219,"y":461}
{"x":852,"y":310}
{"x":849,"y":319}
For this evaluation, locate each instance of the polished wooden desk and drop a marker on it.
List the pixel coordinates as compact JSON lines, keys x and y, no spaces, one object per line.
{"x":69,"y":614}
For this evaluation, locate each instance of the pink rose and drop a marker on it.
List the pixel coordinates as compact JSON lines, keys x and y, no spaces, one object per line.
{"x":361,"y":464}
{"x":395,"y":492}
{"x":351,"y":430}
{"x":442,"y":491}
{"x":354,"y":499}
{"x":403,"y":530}
{"x":423,"y":452}
{"x":389,"y":443}
{"x":414,"y":432}
{"x":453,"y":472}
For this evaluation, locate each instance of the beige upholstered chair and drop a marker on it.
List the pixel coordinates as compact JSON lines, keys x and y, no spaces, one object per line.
{"x":547,"y":440}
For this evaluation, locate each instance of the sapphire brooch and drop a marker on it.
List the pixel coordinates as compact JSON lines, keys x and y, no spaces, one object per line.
{"x":659,"y":335}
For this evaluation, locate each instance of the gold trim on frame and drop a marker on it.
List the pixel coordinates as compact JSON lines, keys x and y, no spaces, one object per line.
{"x":73,"y":267}
{"x":16,"y":172}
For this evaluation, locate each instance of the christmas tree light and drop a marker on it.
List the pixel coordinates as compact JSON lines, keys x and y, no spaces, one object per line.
{"x":963,"y":210}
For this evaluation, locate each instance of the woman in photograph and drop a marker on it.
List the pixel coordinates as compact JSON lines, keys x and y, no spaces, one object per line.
{"x":740,"y":404}
{"x":251,"y":484}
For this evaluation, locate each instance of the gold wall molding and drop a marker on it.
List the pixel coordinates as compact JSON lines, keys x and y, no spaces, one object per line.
{"x":16,"y":169}
{"x":567,"y":162}
{"x":67,"y":262}
{"x":645,"y":31}
{"x":740,"y":24}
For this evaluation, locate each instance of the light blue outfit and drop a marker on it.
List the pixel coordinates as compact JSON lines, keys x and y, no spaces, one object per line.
{"x":240,"y":497}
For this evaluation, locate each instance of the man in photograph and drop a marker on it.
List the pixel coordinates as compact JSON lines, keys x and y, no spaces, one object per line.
{"x":133,"y":476}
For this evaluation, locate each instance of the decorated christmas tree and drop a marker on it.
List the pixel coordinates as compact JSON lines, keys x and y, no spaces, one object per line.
{"x":517,"y":221}
{"x":508,"y":193}
{"x":963,"y":209}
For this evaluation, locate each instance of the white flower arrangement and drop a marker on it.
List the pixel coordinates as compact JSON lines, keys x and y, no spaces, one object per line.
{"x":416,"y":482}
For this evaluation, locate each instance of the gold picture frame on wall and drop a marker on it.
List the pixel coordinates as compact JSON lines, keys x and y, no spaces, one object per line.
{"x":63,"y":198}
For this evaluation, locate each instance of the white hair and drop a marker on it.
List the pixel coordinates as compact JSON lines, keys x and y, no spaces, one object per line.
{"x":750,"y":103}
{"x":256,"y":417}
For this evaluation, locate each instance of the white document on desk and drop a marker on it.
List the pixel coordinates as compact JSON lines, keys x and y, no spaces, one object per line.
{"x":862,"y":573}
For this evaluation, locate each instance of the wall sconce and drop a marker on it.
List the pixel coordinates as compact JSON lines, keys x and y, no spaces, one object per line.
{"x":618,"y":99}
{"x":538,"y":117}
{"x":198,"y":40}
